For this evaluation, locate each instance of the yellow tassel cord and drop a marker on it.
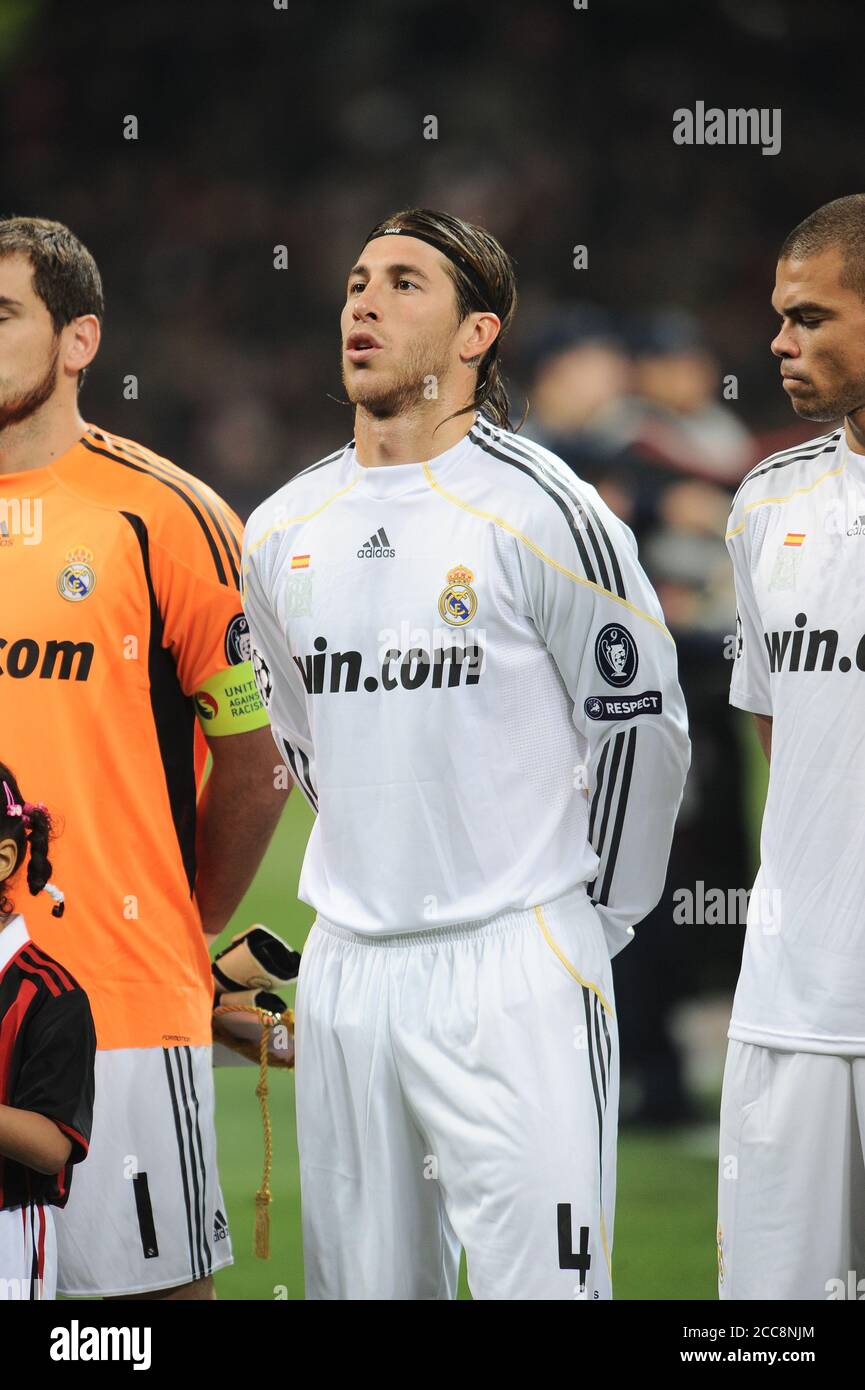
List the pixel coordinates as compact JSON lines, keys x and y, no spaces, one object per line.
{"x":263,"y":1198}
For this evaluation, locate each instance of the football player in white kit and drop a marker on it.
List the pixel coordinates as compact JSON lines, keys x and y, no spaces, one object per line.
{"x":791,"y":1206}
{"x":469,"y":675}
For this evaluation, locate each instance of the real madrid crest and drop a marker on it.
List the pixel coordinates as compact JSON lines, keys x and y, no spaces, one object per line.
{"x":77,"y":579}
{"x":458,"y":603}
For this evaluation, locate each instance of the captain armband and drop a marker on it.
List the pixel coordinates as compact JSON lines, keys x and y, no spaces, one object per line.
{"x":229,"y":702}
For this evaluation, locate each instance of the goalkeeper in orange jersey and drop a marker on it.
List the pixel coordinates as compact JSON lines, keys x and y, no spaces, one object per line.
{"x":124,"y":659}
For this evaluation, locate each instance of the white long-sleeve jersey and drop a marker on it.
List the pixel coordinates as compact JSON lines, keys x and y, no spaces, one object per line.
{"x":797,"y":541}
{"x":469,"y":676}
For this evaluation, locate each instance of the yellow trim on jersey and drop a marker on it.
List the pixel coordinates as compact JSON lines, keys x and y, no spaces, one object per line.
{"x":485,"y":516}
{"x":604,"y":1241}
{"x":293,"y":520}
{"x":542,"y":555}
{"x":556,"y":950}
{"x":764,"y":501}
{"x":229,"y":702}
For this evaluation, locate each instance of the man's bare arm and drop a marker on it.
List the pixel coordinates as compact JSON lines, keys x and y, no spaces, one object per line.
{"x":237,"y":815}
{"x":764,"y":733}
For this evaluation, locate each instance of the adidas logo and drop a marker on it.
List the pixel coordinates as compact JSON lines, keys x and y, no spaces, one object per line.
{"x":376,"y":547}
{"x":220,"y":1226}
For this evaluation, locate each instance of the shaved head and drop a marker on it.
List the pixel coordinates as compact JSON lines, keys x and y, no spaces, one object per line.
{"x":840,"y":224}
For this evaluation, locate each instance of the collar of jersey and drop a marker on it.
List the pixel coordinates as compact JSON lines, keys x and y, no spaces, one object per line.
{"x":13,"y":936}
{"x":33,"y":477}
{"x":397,"y":479}
{"x":848,"y":455}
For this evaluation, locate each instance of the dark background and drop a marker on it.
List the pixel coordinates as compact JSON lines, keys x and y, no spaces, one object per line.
{"x":303,"y":127}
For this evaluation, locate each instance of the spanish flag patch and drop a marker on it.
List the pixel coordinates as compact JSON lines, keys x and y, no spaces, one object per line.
{"x":299,"y":562}
{"x":794,"y":537}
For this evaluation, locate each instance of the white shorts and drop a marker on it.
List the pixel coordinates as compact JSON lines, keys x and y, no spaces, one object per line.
{"x":28,"y":1253}
{"x":791,"y":1180}
{"x":459,"y":1087}
{"x":145,"y":1210}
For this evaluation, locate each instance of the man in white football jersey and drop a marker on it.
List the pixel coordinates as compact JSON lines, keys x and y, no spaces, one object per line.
{"x":470,"y":678}
{"x":791,"y":1209}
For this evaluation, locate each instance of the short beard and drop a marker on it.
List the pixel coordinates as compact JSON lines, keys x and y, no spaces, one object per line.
{"x":822,"y":412}
{"x":846,"y":397}
{"x":21,"y":408}
{"x":404,"y":395}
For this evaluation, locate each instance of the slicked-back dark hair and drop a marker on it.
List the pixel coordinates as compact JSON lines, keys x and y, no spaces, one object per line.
{"x":493,"y":275}
{"x":65,"y":275}
{"x":840,"y":223}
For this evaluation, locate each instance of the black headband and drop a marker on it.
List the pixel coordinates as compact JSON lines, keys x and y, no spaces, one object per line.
{"x":455,"y":257}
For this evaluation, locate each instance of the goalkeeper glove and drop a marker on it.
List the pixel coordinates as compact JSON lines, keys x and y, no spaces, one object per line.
{"x":248,"y":972}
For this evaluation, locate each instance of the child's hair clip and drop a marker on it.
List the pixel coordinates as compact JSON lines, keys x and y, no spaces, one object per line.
{"x":59,"y":899}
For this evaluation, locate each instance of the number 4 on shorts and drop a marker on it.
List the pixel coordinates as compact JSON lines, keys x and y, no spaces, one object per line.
{"x":568,"y":1257}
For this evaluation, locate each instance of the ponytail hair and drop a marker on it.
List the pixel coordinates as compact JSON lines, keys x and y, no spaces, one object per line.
{"x":31,"y":827}
{"x":483,"y":276}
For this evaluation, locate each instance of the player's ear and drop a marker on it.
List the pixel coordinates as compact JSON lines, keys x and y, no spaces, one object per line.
{"x":480,"y":331}
{"x":82,"y":338}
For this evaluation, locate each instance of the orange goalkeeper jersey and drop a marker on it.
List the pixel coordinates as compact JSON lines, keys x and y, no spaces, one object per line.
{"x":121,"y":634}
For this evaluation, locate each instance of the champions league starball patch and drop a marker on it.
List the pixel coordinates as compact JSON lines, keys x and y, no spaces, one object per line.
{"x":238,"y":643}
{"x":77,"y":579}
{"x":616,"y":655}
{"x":458,"y":603}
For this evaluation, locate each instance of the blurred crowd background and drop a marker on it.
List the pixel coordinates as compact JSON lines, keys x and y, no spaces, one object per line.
{"x":648,"y":371}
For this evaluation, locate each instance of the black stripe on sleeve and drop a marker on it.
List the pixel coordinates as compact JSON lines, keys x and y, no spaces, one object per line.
{"x":618,"y":577}
{"x":531,"y":452}
{"x":302,"y":778}
{"x":45,"y":965}
{"x":612,"y":853}
{"x":798,"y":454}
{"x":602,"y":763}
{"x":618,"y":745}
{"x":560,"y":502}
{"x":161,"y":469}
{"x":331,"y":458}
{"x":169,"y":483}
{"x":173,"y":719}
